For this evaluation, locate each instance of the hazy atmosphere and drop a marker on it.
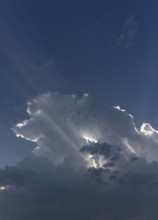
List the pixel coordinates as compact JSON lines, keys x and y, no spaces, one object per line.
{"x":78,"y":110}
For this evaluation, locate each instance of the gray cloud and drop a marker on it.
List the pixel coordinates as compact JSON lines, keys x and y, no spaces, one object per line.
{"x":89,"y":163}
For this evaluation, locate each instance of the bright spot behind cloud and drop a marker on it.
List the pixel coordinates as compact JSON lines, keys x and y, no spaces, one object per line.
{"x":57,"y":123}
{"x":90,"y":139}
{"x":85,"y":156}
{"x":2,"y":188}
{"x":147,"y":129}
{"x":119,"y":108}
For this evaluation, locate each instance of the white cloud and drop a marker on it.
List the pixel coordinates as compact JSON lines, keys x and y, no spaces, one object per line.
{"x":119,"y":108}
{"x":147,"y":129}
{"x":61,"y":127}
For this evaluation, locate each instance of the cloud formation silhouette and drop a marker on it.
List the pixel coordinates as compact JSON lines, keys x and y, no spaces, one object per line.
{"x":89,"y":162}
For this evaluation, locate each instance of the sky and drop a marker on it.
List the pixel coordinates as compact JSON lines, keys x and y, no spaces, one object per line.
{"x":78,"y":109}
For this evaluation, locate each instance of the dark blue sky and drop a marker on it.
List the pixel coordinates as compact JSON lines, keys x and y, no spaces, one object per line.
{"x":73,"y":155}
{"x":106,"y":48}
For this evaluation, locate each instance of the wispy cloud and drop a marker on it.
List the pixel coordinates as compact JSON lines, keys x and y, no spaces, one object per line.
{"x":128,"y":32}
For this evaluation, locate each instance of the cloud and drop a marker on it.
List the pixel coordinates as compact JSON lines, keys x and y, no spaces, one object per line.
{"x":128,"y":32}
{"x":89,"y":162}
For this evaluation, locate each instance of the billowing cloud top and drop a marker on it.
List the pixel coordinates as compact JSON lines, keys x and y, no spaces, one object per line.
{"x":86,"y":157}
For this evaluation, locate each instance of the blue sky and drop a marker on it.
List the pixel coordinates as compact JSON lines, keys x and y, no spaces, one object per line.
{"x":106,"y":49}
{"x":65,"y":46}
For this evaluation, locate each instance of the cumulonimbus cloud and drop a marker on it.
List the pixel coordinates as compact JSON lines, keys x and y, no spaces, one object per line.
{"x":86,"y":157}
{"x":61,"y":126}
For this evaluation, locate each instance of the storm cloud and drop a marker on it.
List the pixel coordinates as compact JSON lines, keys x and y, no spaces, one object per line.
{"x":89,"y":162}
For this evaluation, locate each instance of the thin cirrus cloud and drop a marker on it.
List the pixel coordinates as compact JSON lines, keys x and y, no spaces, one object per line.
{"x":128,"y":32}
{"x":87,"y":158}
